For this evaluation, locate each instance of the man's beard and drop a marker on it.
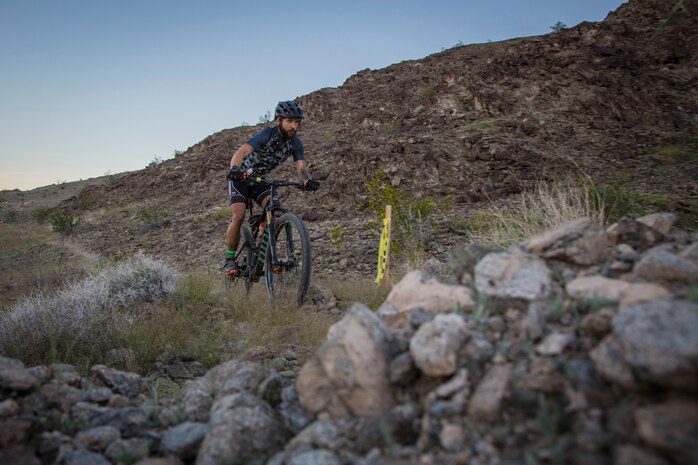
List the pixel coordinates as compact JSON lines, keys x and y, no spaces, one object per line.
{"x":288,"y":134}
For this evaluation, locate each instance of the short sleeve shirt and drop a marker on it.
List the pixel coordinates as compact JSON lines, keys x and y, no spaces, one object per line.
{"x":270,"y":149}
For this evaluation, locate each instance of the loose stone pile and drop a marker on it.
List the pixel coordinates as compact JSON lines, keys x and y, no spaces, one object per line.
{"x":578,"y":346}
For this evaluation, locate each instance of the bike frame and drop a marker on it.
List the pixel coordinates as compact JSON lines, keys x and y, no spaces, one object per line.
{"x":269,"y":215}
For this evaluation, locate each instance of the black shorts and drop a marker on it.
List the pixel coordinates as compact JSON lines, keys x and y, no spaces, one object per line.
{"x":239,"y":192}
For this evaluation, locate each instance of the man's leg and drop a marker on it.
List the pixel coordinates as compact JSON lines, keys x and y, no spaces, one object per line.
{"x":237,"y":217}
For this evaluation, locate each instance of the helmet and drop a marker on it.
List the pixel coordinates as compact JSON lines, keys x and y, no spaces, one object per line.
{"x":288,"y":109}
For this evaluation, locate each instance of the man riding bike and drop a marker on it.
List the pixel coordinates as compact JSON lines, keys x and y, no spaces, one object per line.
{"x":262,"y":153}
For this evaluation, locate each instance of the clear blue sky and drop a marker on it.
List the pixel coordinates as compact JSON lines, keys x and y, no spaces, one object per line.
{"x":88,"y":87}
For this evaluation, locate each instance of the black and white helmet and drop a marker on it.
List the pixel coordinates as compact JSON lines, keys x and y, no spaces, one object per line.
{"x":288,"y":109}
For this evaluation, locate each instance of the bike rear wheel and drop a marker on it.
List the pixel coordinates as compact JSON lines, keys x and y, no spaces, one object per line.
{"x":288,"y":278}
{"x":245,"y":259}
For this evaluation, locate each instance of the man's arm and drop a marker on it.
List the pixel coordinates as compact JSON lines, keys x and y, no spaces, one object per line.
{"x":243,"y":151}
{"x":302,"y":170}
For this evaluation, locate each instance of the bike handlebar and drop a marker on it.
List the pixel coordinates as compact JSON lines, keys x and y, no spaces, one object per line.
{"x":275,"y":182}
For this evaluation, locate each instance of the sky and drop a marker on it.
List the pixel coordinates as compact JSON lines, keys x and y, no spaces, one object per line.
{"x":89,"y":87}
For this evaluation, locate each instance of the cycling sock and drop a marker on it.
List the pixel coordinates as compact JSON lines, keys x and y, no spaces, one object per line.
{"x":230,"y":253}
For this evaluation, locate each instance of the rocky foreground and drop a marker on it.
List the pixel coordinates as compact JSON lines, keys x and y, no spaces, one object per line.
{"x":579,"y":346}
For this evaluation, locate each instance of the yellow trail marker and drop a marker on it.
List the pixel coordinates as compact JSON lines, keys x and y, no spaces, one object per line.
{"x":384,"y":248}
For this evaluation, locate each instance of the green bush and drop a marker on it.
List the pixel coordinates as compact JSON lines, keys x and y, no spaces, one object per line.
{"x":65,"y":221}
{"x":154,"y":215}
{"x":337,"y":236}
{"x":41,"y":214}
{"x":11,"y":216}
{"x":412,"y":218}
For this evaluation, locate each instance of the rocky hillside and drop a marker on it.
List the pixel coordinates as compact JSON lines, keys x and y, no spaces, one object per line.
{"x":578,"y":347}
{"x":614,"y":99}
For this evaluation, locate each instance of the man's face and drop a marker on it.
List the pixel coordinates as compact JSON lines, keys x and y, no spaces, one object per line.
{"x":289,"y":126}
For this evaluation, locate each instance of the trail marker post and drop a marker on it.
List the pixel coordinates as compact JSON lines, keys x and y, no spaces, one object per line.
{"x":383,"y":275}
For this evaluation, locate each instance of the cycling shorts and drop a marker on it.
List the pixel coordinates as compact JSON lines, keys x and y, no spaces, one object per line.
{"x":240,"y":191}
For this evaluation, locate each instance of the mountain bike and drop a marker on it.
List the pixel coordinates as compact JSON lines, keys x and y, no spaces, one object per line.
{"x":277,"y":248}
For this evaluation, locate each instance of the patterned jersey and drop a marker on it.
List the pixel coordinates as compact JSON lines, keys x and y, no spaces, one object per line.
{"x":270,"y":149}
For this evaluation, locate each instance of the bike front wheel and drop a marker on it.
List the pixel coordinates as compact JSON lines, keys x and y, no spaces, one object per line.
{"x":288,"y":277}
{"x":245,"y":261}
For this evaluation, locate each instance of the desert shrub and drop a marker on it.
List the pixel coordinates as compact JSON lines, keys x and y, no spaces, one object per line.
{"x":412,"y":217}
{"x":83,"y":319}
{"x":11,"y":216}
{"x":41,"y":214}
{"x":338,"y":235}
{"x":154,"y":216}
{"x":65,"y":221}
{"x":558,"y":26}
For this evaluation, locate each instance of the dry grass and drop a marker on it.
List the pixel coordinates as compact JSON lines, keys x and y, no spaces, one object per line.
{"x":545,"y":207}
{"x":30,"y":262}
{"x":363,"y":291}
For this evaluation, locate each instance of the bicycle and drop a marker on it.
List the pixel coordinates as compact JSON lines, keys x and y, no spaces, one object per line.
{"x":284,"y":257}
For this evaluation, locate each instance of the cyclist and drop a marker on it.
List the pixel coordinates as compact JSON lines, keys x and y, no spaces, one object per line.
{"x":262,"y":153}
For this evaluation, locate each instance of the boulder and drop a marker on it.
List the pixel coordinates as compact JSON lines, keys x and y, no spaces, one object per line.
{"x":123,"y":450}
{"x":434,"y":348}
{"x":85,"y":457}
{"x":633,"y":233}
{"x":661,"y":222}
{"x":97,"y":439}
{"x":671,"y":427}
{"x":554,"y":343}
{"x":513,"y":275}
{"x":487,"y":399}
{"x":610,"y":363}
{"x":14,"y":377}
{"x":184,"y":439}
{"x":663,"y":265}
{"x":421,"y":290}
{"x":633,"y":455}
{"x":121,"y":382}
{"x":349,"y":372}
{"x":582,"y":241}
{"x":615,"y":290}
{"x":659,"y":340}
{"x":243,"y":428}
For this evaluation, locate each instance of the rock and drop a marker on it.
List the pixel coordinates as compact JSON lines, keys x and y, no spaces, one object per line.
{"x":610,"y":363}
{"x":513,"y":275}
{"x":671,"y":427}
{"x":40,"y":372}
{"x":615,"y":290}
{"x":402,"y":370}
{"x":13,"y":431}
{"x":633,"y":455}
{"x":434,"y":348}
{"x":8,"y":408}
{"x":582,"y":241}
{"x":463,"y":258}
{"x":97,"y":439}
{"x":452,"y":436}
{"x":554,"y":344}
{"x":486,"y":400}
{"x":118,"y":401}
{"x":99,"y":394}
{"x":349,"y":372}
{"x":294,"y":417}
{"x":690,"y":253}
{"x":130,"y":421}
{"x":661,"y":222}
{"x":243,"y":428}
{"x":419,"y":316}
{"x":662,"y":265}
{"x":634,"y":233}
{"x":533,"y":324}
{"x":65,"y":373}
{"x":234,"y":376}
{"x":184,"y":439}
{"x":14,"y":377}
{"x":314,"y":457}
{"x":85,"y":457}
{"x":50,"y":444}
{"x":62,"y":395}
{"x":659,"y":340}
{"x":270,"y":389}
{"x":197,"y":403}
{"x":127,"y":450}
{"x":420,"y":289}
{"x":321,"y":434}
{"x":19,"y":455}
{"x":159,"y":461}
{"x":598,"y":323}
{"x":121,"y":382}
